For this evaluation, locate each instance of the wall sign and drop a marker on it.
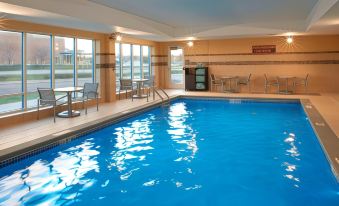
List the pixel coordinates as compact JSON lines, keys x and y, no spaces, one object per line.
{"x":263,"y":49}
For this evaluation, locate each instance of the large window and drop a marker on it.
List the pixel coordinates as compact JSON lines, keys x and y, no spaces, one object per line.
{"x":38,"y":65}
{"x":117,"y":63}
{"x":26,"y":64}
{"x":136,"y":62}
{"x":132,"y":61}
{"x":11,"y":88}
{"x":146,"y":59}
{"x":64,"y":62}
{"x":85,"y":66}
{"x":126,"y":71}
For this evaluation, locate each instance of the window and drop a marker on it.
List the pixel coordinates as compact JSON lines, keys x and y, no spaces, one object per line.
{"x":21,"y":73}
{"x":11,"y":87}
{"x":117,"y":64}
{"x":146,"y":61}
{"x":136,"y":62}
{"x":38,"y":65}
{"x":126,"y":62}
{"x":176,"y":65}
{"x":64,"y":62}
{"x":84,"y":61}
{"x":132,"y":61}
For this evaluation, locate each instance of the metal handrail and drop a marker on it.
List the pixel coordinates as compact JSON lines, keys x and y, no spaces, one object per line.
{"x":161,"y":97}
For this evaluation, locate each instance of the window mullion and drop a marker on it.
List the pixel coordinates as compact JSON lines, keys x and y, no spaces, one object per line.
{"x":131,"y":57}
{"x":24,"y":72}
{"x":75,"y":63}
{"x":52,"y":71}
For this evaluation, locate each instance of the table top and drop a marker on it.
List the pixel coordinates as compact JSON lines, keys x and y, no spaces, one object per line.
{"x":140,"y":80}
{"x":68,"y":89}
{"x":286,"y":77}
{"x":228,"y":77}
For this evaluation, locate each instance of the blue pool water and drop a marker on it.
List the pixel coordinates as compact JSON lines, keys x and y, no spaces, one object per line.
{"x":197,"y":152}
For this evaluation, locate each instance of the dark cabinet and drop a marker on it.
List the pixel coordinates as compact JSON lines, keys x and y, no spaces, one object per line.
{"x":196,"y":78}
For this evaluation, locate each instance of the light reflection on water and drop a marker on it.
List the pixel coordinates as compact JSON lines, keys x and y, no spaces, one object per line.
{"x":52,"y":181}
{"x":177,"y":155}
{"x":293,"y":153}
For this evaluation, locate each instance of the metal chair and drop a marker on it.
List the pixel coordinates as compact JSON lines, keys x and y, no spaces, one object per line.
{"x":216,"y":82}
{"x":246,"y":81}
{"x":47,"y":98}
{"x":301,"y":82}
{"x":271,"y":82}
{"x":89,"y":92}
{"x":126,"y":85}
{"x":149,"y":86}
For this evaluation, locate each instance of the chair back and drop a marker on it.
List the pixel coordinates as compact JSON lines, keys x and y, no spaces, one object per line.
{"x":266,"y":80}
{"x":46,"y":94}
{"x":249,"y":77}
{"x":150,"y":82}
{"x":213,"y":78}
{"x":91,"y":90}
{"x":126,"y":84}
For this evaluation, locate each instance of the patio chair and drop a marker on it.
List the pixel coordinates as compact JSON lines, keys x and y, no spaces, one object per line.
{"x":126,"y":85}
{"x":246,"y":81}
{"x":301,"y":82}
{"x":270,"y":83}
{"x":89,"y":92}
{"x":47,"y":98}
{"x":149,"y":86}
{"x":215,"y":83}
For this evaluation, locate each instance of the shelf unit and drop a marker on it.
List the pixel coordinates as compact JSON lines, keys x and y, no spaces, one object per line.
{"x":196,"y":78}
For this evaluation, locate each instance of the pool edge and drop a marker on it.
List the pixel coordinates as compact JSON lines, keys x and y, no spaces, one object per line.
{"x":326,"y":137}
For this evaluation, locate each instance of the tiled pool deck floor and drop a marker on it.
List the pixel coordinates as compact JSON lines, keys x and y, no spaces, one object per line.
{"x":27,"y":134}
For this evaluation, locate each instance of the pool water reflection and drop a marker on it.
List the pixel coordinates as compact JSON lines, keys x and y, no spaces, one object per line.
{"x":197,"y":152}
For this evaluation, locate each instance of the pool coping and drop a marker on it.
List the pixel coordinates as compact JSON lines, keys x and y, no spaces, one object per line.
{"x":327,"y":138}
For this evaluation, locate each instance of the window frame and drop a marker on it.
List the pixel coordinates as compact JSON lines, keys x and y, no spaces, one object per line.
{"x":24,"y":93}
{"x":141,"y":67}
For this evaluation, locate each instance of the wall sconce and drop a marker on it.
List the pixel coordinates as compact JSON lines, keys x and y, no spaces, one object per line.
{"x":289,"y":39}
{"x":190,"y":43}
{"x":116,"y":36}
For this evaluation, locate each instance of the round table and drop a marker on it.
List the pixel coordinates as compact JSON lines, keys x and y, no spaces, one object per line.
{"x":229,"y":79}
{"x":286,"y":78}
{"x":139,"y":83}
{"x":69,"y":112}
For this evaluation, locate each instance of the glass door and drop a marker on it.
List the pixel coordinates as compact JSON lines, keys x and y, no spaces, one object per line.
{"x":176,"y":55}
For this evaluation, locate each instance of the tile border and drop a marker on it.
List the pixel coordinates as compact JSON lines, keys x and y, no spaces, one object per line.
{"x":326,"y":137}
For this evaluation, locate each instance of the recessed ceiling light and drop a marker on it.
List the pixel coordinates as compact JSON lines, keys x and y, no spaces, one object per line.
{"x":289,"y":39}
{"x":190,"y":43}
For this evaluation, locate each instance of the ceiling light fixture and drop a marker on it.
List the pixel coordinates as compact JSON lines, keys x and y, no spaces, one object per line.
{"x":190,"y":43}
{"x":289,"y":39}
{"x":116,"y":36}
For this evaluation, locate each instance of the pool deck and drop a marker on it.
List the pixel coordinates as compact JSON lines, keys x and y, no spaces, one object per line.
{"x":15,"y":138}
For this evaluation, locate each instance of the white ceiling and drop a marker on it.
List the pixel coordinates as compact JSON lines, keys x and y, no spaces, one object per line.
{"x":179,"y":19}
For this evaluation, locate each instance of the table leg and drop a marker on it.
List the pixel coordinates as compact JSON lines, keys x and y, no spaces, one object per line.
{"x":69,"y":112}
{"x":139,"y":89}
{"x":286,"y":89}
{"x":69,"y":102}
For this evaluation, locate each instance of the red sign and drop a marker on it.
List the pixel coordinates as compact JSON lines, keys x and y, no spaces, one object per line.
{"x":263,"y":49}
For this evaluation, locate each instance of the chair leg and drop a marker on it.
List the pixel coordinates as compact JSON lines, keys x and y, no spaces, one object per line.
{"x":265,"y":89}
{"x":278,"y":89}
{"x":305,"y":88}
{"x":85,"y":105}
{"x":38,"y":109}
{"x":54,"y":112}
{"x":119,"y":94}
{"x":97,"y":103}
{"x":249,"y":87}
